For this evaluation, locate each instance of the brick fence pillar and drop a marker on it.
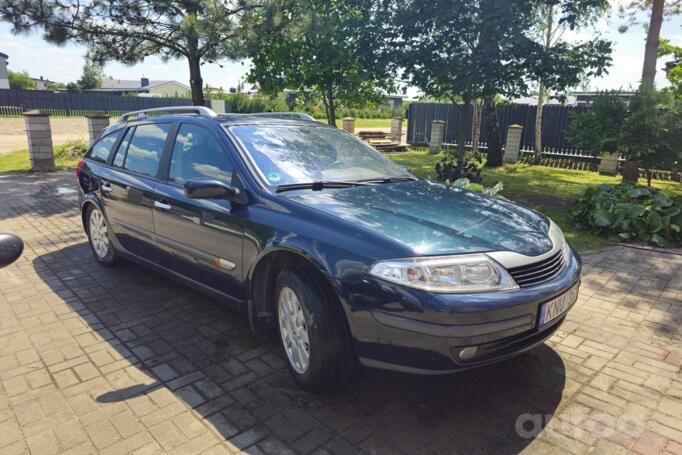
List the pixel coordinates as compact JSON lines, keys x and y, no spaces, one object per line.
{"x":348,"y":124}
{"x":397,"y":129}
{"x":40,"y":151}
{"x":96,"y":124}
{"x":437,"y":133}
{"x":608,"y":164}
{"x":513,"y":145}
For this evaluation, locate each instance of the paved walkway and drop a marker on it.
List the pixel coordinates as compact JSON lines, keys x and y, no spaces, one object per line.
{"x":122,"y":360}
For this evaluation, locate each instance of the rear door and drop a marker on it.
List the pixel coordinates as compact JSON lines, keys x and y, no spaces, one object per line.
{"x":201,"y":239}
{"x":128,"y":187}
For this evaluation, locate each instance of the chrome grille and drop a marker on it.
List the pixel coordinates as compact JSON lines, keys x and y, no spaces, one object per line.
{"x":538,"y":272}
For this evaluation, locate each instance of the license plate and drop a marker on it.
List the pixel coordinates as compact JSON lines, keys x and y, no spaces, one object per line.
{"x":558,"y":306}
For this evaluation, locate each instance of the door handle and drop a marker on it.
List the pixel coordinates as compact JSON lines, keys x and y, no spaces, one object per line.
{"x":105,"y":187}
{"x":162,"y":205}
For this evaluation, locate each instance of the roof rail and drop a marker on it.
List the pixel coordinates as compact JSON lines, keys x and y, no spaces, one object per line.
{"x":198,"y":110}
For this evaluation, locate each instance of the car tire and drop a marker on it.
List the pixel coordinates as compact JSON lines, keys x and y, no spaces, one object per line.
{"x":99,"y":237}
{"x":303,"y":304}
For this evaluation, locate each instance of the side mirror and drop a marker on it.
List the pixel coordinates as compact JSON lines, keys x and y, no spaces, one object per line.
{"x":11,"y":247}
{"x":210,"y":189}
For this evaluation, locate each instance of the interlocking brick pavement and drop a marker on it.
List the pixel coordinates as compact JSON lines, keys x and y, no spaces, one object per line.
{"x":125,"y":361}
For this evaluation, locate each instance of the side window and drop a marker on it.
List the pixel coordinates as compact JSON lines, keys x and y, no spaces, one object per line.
{"x":146,"y":146}
{"x":197,"y":154}
{"x":120,"y":156}
{"x":100,"y":151}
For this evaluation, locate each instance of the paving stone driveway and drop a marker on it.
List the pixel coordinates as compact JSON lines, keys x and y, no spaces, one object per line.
{"x":123,"y":360}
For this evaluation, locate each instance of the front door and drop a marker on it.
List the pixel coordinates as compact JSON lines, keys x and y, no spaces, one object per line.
{"x":128,"y":187}
{"x":200,"y":239}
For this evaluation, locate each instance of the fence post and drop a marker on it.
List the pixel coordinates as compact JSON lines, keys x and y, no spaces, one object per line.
{"x":397,"y":128}
{"x":39,"y":134}
{"x":608,"y":164}
{"x":511,"y":149}
{"x":218,"y":106}
{"x":348,"y":124}
{"x":436,"y":139}
{"x":96,"y":124}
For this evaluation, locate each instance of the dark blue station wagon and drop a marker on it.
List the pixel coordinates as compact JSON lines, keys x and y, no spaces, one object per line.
{"x":309,"y":230}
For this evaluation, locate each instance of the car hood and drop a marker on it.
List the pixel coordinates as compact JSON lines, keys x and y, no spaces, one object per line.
{"x":433,"y":219}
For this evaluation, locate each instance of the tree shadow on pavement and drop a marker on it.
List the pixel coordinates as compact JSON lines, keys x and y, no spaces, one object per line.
{"x":205,"y":354}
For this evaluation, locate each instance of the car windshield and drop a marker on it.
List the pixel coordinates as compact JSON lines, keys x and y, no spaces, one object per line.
{"x":295,"y":154}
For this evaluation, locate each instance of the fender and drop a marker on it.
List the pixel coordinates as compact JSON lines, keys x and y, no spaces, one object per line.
{"x":92,"y":198}
{"x":260,"y":316}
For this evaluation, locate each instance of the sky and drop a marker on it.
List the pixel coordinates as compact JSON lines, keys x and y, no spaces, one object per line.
{"x":64,"y":64}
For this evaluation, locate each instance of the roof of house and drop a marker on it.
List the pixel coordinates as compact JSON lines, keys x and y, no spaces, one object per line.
{"x":115,"y":85}
{"x":3,"y":55}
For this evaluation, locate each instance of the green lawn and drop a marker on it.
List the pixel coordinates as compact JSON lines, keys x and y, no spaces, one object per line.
{"x":371,"y":123}
{"x":551,"y":191}
{"x":66,"y":157}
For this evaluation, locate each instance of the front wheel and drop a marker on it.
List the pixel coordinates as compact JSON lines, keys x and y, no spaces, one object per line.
{"x":98,"y":237}
{"x":313,"y":331}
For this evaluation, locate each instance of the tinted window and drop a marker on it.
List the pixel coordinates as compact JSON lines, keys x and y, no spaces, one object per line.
{"x":197,"y":154}
{"x":146,"y":146}
{"x":100,"y":151}
{"x":120,"y":157}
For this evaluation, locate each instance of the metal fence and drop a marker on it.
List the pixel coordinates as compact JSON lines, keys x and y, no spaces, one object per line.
{"x":555,"y":120}
{"x":13,"y":102}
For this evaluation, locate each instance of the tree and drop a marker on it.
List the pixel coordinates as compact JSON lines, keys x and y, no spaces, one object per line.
{"x":658,"y":9}
{"x":129,"y":30}
{"x":92,"y":76}
{"x":334,"y":47}
{"x":21,"y":80}
{"x":549,"y":31}
{"x":599,"y":128}
{"x":651,"y":133}
{"x":647,"y":130}
{"x":72,"y":87}
{"x":673,"y":68}
{"x":485,"y":48}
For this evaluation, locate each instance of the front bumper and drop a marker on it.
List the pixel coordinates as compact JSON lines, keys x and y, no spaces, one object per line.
{"x":408,"y":330}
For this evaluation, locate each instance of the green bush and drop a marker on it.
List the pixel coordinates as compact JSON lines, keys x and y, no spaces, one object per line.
{"x":629,"y":212}
{"x":70,"y":150}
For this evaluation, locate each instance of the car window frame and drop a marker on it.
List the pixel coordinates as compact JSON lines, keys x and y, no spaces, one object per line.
{"x":164,"y":149}
{"x":165,"y":177}
{"x":112,"y":158}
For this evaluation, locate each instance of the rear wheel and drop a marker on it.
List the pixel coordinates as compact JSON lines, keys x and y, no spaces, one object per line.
{"x":98,"y":237}
{"x":313,"y":330}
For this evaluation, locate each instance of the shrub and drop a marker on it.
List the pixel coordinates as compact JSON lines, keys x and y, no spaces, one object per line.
{"x":629,"y":212}
{"x":70,"y":150}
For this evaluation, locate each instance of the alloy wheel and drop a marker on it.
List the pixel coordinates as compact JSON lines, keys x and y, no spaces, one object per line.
{"x":293,"y":329}
{"x":98,"y":234}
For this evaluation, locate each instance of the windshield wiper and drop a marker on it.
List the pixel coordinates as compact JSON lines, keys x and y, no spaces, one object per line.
{"x":400,"y":178}
{"x":317,"y":186}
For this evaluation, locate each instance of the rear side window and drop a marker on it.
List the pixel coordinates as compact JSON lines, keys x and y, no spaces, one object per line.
{"x":100,"y":151}
{"x":146,"y":146}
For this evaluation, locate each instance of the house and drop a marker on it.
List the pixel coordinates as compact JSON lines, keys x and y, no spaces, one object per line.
{"x":586,"y":98}
{"x":143,"y":86}
{"x":4,"y":77}
{"x":45,"y":84}
{"x":394,"y":101}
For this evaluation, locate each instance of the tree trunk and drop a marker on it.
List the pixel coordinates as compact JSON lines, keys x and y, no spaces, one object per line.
{"x":329,"y":111}
{"x":493,"y":124}
{"x":462,"y":131}
{"x":541,"y":89}
{"x":475,"y":127}
{"x":196,"y":83}
{"x":630,"y":171}
{"x":651,"y":50}
{"x":538,"y":124}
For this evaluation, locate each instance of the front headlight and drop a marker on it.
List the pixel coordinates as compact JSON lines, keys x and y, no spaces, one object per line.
{"x":448,"y":274}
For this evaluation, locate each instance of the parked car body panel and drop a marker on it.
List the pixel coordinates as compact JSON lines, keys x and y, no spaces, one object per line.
{"x":341,"y":232}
